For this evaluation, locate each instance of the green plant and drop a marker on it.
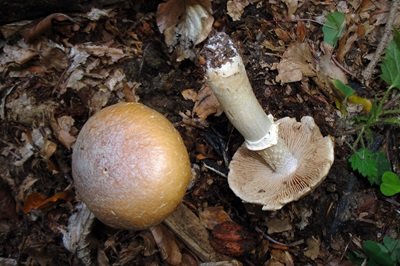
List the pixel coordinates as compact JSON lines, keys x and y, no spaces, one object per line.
{"x":333,"y":27}
{"x":385,"y":254}
{"x":374,"y":165}
{"x":373,"y":253}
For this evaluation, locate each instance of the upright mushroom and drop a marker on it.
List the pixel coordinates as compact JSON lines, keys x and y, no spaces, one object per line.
{"x":130,"y":166}
{"x":280,"y":161}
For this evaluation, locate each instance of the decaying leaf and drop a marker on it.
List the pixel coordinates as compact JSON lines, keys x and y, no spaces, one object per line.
{"x":75,"y":236}
{"x":297,"y":62}
{"x":166,"y":242}
{"x":206,"y":103}
{"x":235,"y":8}
{"x":232,"y":239}
{"x":313,"y":247}
{"x":329,"y":69}
{"x":18,"y":54}
{"x":291,"y":6}
{"x":279,"y":258}
{"x":185,"y":23}
{"x":62,"y":127}
{"x":212,"y":216}
{"x":45,"y":25}
{"x":276,"y":225}
{"x":37,"y":200}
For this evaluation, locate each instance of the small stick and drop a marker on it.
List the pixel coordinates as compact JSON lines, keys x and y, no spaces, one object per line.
{"x":387,"y":36}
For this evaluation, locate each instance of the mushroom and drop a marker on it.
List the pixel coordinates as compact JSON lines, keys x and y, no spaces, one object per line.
{"x":130,"y":166}
{"x":280,"y":161}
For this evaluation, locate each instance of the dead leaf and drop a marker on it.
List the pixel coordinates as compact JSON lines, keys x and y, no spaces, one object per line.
{"x":283,"y":35}
{"x":212,"y":216}
{"x":25,"y":151}
{"x":235,"y":8}
{"x":37,"y":200}
{"x":291,"y":6}
{"x":276,"y":225}
{"x":232,"y":239}
{"x":45,"y":25}
{"x":271,"y":46}
{"x":166,"y":242}
{"x":75,"y":235}
{"x":189,"y":94}
{"x":16,"y":54}
{"x":301,"y":31}
{"x":313,"y":248}
{"x":297,"y":62}
{"x":206,"y":104}
{"x":184,"y":23}
{"x":329,"y":69}
{"x":280,"y":258}
{"x":114,"y":54}
{"x":62,"y":127}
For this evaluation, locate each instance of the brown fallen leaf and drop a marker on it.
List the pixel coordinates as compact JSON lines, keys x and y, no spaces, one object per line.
{"x":37,"y":200}
{"x":184,"y":23}
{"x":206,"y":104}
{"x":212,"y":216}
{"x":301,"y":31}
{"x":276,"y":225}
{"x":291,"y":6}
{"x":297,"y":62}
{"x":235,"y":8}
{"x":283,"y":35}
{"x":45,"y":25}
{"x":279,"y":258}
{"x":62,"y":127}
{"x":313,"y":248}
{"x":232,"y":239}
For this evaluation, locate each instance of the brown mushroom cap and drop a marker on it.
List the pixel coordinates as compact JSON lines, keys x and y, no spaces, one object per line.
{"x":252,"y":180}
{"x":130,"y":166}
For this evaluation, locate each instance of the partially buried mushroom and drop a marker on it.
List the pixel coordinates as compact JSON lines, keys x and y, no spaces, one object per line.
{"x":280,"y":161}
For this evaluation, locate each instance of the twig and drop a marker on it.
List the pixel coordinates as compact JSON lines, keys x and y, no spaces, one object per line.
{"x":387,"y":36}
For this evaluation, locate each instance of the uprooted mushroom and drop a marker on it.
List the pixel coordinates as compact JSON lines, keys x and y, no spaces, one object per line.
{"x":280,"y":161}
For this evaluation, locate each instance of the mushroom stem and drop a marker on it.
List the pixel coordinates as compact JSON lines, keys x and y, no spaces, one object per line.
{"x":227,"y":77}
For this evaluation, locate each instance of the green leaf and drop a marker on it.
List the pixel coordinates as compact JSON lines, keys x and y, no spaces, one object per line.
{"x":393,"y":246}
{"x":370,"y":164}
{"x":346,"y":90}
{"x":390,"y":184}
{"x":382,"y":163}
{"x":333,"y":27}
{"x":364,"y":162}
{"x":377,"y":254}
{"x":390,"y":66}
{"x":396,"y":37}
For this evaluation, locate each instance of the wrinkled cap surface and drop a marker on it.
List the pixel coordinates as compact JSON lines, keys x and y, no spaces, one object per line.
{"x":252,"y":180}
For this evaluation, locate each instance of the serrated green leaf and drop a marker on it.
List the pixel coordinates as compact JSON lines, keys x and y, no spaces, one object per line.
{"x":377,"y":254}
{"x":390,"y":184}
{"x":364,"y":161}
{"x":333,"y":27}
{"x":390,"y":66}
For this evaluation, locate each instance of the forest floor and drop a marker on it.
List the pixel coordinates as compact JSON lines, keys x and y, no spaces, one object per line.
{"x":59,"y":70}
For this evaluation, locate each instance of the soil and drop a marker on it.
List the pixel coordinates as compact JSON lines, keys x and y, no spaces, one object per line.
{"x":37,"y":137}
